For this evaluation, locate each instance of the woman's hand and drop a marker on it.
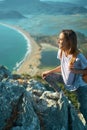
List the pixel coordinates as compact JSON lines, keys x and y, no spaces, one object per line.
{"x":44,"y":74}
{"x":55,"y":70}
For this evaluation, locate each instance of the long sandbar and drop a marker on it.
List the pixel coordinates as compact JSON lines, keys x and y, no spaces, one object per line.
{"x":32,"y":60}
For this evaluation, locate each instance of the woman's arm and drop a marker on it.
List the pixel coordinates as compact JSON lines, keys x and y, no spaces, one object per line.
{"x":77,"y":71}
{"x":55,"y":70}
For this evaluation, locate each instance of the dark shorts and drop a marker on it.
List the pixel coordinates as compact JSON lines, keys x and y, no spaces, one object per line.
{"x":53,"y":80}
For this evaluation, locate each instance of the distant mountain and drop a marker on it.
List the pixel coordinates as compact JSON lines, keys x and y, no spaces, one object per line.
{"x":38,"y":7}
{"x":62,"y":8}
{"x":11,"y":15}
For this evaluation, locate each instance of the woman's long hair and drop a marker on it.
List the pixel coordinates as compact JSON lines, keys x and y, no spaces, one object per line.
{"x":71,"y":39}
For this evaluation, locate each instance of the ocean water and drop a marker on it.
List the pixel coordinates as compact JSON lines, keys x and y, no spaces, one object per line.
{"x":49,"y":58}
{"x":13,"y":47}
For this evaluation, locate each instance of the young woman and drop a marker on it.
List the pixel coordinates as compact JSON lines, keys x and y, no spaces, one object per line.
{"x":73,"y":66}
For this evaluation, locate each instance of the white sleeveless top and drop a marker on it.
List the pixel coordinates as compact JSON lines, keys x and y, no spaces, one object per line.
{"x":72,"y":81}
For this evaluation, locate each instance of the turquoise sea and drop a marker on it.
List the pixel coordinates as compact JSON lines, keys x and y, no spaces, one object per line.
{"x":13,"y":47}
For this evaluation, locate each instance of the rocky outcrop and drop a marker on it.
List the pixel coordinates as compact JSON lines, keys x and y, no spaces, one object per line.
{"x":26,"y":104}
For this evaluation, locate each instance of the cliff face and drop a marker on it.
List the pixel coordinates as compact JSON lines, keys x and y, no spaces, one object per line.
{"x":26,"y":104}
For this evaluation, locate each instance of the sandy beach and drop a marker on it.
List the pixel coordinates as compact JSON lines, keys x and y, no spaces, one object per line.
{"x":31,"y":63}
{"x":32,"y":60}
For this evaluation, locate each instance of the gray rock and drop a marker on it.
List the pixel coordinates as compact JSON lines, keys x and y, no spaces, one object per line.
{"x":34,"y":107}
{"x":16,"y":110}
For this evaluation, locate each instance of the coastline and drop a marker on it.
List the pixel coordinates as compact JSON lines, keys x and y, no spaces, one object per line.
{"x":32,"y":60}
{"x":29,"y":65}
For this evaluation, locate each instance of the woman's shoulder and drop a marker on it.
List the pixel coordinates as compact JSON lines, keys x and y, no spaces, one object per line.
{"x":81,"y":55}
{"x":82,"y":60}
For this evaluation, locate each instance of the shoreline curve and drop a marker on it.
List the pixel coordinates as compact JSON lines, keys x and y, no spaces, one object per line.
{"x":29,"y":65}
{"x":32,"y":60}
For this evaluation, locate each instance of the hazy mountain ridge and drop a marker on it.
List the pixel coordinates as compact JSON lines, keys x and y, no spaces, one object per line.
{"x":37,"y":7}
{"x":11,"y":15}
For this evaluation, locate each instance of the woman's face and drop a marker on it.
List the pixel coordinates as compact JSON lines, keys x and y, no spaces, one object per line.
{"x":62,"y":43}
